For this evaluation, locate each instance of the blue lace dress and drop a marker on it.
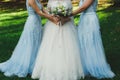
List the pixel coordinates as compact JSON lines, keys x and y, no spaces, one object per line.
{"x":91,"y":47}
{"x":22,"y":60}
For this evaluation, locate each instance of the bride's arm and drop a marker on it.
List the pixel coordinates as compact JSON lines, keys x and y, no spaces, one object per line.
{"x":33,"y":4}
{"x":85,"y":5}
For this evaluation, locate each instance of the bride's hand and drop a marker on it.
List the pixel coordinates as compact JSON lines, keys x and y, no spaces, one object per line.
{"x":64,"y":20}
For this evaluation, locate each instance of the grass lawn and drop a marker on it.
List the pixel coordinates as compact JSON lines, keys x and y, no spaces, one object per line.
{"x":12,"y":23}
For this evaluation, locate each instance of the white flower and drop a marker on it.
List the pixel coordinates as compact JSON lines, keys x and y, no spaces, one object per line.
{"x":59,"y":10}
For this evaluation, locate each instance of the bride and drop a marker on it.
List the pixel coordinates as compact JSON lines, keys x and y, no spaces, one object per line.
{"x":58,"y":56}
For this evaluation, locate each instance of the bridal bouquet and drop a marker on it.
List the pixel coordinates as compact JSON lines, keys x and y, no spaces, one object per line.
{"x":60,"y":9}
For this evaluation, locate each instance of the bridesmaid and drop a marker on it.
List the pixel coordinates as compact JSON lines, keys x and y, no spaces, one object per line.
{"x":22,"y":60}
{"x":91,"y":47}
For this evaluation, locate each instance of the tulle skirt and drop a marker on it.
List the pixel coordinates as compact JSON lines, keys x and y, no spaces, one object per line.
{"x":22,"y":60}
{"x":59,"y":55}
{"x":91,"y":47}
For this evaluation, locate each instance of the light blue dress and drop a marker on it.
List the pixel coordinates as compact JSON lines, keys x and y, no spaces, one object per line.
{"x":91,"y":47}
{"x":22,"y":60}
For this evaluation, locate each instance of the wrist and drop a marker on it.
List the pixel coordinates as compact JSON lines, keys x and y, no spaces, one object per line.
{"x":48,"y":17}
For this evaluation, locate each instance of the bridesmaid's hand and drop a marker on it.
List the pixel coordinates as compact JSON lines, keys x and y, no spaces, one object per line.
{"x":54,"y":19}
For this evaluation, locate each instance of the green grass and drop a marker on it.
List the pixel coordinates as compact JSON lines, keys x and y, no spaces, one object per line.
{"x":12,"y":23}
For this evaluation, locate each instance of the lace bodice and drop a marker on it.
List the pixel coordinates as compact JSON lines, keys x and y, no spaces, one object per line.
{"x":92,"y":8}
{"x":31,"y":10}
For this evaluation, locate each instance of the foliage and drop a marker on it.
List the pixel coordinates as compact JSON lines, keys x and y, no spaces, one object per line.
{"x":116,"y":2}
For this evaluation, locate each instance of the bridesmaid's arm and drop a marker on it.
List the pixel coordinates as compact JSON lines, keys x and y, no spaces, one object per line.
{"x":43,"y":9}
{"x":85,"y":5}
{"x":33,"y":4}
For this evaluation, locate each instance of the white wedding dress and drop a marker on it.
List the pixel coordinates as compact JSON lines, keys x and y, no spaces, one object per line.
{"x":58,"y":56}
